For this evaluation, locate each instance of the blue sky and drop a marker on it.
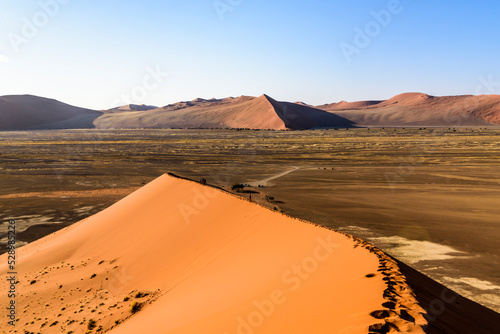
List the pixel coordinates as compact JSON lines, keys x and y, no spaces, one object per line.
{"x":99,"y":54}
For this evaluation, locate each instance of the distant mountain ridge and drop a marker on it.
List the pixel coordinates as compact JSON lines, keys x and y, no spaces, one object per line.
{"x":28,"y":112}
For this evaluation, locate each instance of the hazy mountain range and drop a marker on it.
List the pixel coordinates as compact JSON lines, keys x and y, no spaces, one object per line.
{"x":26,"y":112}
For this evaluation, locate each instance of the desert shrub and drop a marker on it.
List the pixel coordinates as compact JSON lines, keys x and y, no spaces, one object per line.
{"x":135,"y":307}
{"x":141,"y":294}
{"x":91,"y":324}
{"x":237,"y":187}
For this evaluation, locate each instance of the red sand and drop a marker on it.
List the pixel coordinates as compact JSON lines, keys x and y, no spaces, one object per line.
{"x":210,"y":263}
{"x":417,"y":109}
{"x":243,"y":112}
{"x":408,"y":109}
{"x":20,"y":112}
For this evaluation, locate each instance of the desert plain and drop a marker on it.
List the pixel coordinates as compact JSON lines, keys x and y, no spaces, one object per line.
{"x":427,"y":196}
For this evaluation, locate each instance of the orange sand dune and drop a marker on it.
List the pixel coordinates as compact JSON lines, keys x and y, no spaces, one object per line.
{"x":199,"y":260}
{"x":417,"y":109}
{"x":343,"y":105}
{"x":226,"y":113}
{"x":243,"y":112}
{"x":133,"y":107}
{"x":21,"y":112}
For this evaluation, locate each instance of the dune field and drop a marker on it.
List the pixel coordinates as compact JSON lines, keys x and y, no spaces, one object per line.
{"x":27,"y":112}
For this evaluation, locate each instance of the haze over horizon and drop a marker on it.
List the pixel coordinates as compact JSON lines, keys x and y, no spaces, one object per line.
{"x":102,"y":55}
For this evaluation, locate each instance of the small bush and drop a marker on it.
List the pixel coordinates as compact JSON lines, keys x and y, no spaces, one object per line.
{"x":91,"y":324}
{"x":135,"y":307}
{"x":237,"y":187}
{"x":141,"y":294}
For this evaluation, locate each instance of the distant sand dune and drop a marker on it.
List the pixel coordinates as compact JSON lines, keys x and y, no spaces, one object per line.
{"x":417,"y":109}
{"x":343,"y":105}
{"x":23,"y":112}
{"x":133,"y":107}
{"x":243,"y":112}
{"x":178,"y":257}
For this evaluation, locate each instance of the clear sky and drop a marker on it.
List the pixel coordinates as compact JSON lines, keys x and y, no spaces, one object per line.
{"x":98,"y":54}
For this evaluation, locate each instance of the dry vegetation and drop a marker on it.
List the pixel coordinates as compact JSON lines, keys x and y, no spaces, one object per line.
{"x":427,"y":184}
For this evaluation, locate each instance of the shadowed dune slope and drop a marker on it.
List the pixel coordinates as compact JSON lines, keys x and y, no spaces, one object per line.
{"x":417,"y":109}
{"x":21,"y":112}
{"x":179,"y":257}
{"x":447,"y":311}
{"x":297,"y":116}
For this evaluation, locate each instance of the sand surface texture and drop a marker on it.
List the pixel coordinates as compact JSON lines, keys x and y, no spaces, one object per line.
{"x":179,"y":257}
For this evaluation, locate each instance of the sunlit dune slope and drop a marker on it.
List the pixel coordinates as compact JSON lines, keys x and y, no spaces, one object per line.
{"x":417,"y":109}
{"x":243,"y":112}
{"x":179,"y":257}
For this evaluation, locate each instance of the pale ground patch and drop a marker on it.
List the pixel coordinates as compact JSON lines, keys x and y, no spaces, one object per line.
{"x":474,"y":282}
{"x":414,"y":251}
{"x":23,"y":222}
{"x":84,"y":209}
{"x":406,"y":250}
{"x":476,"y":289}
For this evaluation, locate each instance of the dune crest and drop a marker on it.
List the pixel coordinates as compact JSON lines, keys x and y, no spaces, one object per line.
{"x":179,"y":257}
{"x":408,"y":98}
